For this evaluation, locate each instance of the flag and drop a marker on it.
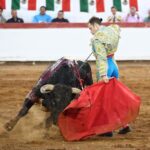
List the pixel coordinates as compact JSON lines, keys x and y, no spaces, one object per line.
{"x":50,"y":4}
{"x":84,"y":6}
{"x":89,"y":6}
{"x":18,"y":4}
{"x":31,"y":4}
{"x":117,"y":4}
{"x":133,"y":3}
{"x":66,"y":5}
{"x":2,"y":4}
{"x":63,"y":5}
{"x":99,"y":5}
{"x":15,"y":4}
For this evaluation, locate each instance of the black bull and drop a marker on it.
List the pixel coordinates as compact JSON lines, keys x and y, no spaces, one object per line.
{"x":64,"y":74}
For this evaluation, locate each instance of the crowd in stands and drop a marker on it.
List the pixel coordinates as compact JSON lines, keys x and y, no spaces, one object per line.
{"x":42,"y":17}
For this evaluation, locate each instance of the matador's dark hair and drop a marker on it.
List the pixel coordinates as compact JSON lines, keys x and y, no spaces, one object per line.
{"x":94,"y":20}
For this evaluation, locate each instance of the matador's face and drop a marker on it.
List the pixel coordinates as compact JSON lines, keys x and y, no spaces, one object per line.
{"x":93,"y":28}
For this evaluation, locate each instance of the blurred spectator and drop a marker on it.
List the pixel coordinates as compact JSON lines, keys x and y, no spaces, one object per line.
{"x":133,"y":16}
{"x":14,"y":18}
{"x":147,"y":19}
{"x":60,"y":17}
{"x":42,"y":17}
{"x":2,"y":19}
{"x":114,"y":17}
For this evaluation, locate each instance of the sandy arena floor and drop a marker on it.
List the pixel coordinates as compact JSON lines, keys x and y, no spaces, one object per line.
{"x":17,"y":79}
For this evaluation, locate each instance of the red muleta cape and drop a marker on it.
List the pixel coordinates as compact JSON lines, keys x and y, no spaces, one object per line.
{"x":100,"y":108}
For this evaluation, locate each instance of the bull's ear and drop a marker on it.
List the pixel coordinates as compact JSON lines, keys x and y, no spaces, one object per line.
{"x":76,"y":90}
{"x":47,"y":88}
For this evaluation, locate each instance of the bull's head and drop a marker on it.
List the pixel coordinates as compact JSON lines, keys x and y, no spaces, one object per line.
{"x":57,"y":97}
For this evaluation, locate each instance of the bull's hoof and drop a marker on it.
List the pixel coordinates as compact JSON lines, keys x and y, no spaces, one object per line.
{"x":125,"y":130}
{"x":10,"y":125}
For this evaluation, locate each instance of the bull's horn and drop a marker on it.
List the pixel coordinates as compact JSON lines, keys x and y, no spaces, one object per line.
{"x":76,"y":90}
{"x":46,"y":88}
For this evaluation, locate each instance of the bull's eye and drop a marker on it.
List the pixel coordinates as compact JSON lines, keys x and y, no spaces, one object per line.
{"x":53,"y":103}
{"x":57,"y":99}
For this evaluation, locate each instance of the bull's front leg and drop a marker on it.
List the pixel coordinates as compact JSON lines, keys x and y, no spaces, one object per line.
{"x":11,"y":123}
{"x":47,"y":124}
{"x":24,"y":110}
{"x":48,"y":121}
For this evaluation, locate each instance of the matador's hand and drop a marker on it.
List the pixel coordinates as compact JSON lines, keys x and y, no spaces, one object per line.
{"x":105,"y":79}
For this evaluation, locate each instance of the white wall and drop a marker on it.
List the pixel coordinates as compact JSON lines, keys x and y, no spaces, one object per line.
{"x":52,"y":43}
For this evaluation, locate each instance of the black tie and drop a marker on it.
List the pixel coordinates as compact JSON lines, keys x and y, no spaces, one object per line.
{"x":114,"y":19}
